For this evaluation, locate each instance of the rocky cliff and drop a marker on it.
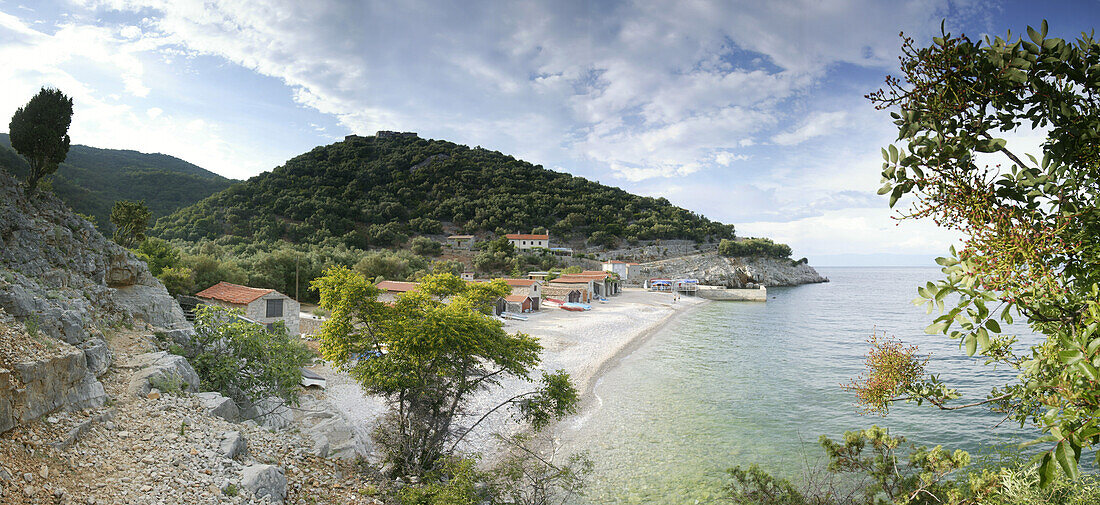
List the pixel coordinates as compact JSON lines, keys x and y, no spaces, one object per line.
{"x":66,"y":284}
{"x":710,"y":268}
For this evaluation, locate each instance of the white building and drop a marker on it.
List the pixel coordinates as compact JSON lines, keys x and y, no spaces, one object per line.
{"x":524,"y":241}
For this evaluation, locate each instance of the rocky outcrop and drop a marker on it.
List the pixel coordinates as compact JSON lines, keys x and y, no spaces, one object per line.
{"x":67,"y":283}
{"x":710,"y":268}
{"x":166,"y":372}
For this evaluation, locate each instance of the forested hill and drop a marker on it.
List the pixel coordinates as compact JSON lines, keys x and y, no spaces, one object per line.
{"x":91,"y":180}
{"x":377,"y":191}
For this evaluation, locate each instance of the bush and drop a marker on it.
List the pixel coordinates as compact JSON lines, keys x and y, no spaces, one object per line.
{"x":425,"y":246}
{"x":753,"y":247}
{"x":244,"y":360}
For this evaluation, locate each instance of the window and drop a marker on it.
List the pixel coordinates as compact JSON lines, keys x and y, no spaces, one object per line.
{"x":275,"y":307}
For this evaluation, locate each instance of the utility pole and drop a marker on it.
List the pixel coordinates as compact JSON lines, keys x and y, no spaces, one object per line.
{"x":296,"y":258}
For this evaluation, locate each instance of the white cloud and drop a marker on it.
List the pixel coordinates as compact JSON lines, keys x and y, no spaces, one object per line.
{"x":855,"y":231}
{"x":154,"y":112}
{"x":817,"y":125}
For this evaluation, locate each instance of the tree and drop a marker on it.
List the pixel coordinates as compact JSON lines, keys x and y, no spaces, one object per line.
{"x":130,"y":220}
{"x":244,"y":360}
{"x":158,"y":254}
{"x":427,"y":358}
{"x":1029,"y":222}
{"x":39,"y":132}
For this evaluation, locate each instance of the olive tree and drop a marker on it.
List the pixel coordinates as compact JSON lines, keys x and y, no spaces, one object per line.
{"x":39,"y":132}
{"x":1030,"y":223}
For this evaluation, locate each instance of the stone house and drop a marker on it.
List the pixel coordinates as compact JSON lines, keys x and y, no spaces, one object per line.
{"x":609,"y":284}
{"x":527,"y":287}
{"x":564,"y":293}
{"x":586,"y":286}
{"x":622,"y":268}
{"x":265,"y":306}
{"x":524,"y":241}
{"x":461,"y":241}
{"x":518,"y":303}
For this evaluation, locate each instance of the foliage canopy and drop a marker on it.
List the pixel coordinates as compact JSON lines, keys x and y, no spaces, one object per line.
{"x":1029,"y":221}
{"x":39,"y":132}
{"x":376,"y":192}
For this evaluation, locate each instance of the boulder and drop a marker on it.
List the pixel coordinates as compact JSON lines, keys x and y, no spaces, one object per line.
{"x":163,"y":371}
{"x":72,"y":327}
{"x":265,"y":480}
{"x":233,"y":444}
{"x":17,"y":301}
{"x":220,"y":406}
{"x":271,"y":412}
{"x":61,"y":381}
{"x":98,"y":356}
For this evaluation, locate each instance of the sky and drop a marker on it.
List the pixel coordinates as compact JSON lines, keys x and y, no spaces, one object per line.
{"x":748,"y":112}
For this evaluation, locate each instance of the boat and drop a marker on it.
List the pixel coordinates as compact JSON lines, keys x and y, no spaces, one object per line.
{"x":571,"y":308}
{"x":510,"y":315}
{"x":310,"y":378}
{"x":576,"y":307}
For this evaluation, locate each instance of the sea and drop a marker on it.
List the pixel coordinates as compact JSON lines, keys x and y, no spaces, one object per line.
{"x":734,"y":383}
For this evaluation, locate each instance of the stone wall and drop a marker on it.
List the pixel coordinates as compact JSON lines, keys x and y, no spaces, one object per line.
{"x":257,"y":311}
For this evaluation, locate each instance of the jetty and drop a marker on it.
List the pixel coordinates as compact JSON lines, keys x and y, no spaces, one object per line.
{"x":759,"y":294}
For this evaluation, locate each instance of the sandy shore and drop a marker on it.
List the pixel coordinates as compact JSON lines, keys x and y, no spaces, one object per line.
{"x":584,"y":344}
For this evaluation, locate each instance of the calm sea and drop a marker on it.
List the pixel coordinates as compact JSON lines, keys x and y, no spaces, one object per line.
{"x":739,"y":383}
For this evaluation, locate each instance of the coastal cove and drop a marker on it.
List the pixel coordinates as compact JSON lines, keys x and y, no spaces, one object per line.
{"x":729,"y":384}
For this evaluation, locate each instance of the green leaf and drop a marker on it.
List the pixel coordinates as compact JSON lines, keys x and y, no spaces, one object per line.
{"x":993,"y":325}
{"x":1048,"y":471}
{"x":971,"y":344}
{"x":1067,"y":459}
{"x":1035,"y":36}
{"x":937,"y":327}
{"x":983,"y":339}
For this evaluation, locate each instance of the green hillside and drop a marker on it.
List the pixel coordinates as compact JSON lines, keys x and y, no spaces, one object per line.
{"x":91,"y":180}
{"x":377,"y":191}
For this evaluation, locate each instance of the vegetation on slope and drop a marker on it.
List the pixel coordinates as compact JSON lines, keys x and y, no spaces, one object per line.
{"x":91,"y":180}
{"x":377,"y":192}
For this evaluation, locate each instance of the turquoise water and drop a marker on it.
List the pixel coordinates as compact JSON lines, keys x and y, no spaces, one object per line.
{"x":737,"y":383}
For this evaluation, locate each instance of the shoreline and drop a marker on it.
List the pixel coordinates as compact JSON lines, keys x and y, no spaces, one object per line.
{"x":584,"y":344}
{"x":630,"y":346}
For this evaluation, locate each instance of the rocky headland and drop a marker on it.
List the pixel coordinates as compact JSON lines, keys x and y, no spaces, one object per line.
{"x":710,"y":268}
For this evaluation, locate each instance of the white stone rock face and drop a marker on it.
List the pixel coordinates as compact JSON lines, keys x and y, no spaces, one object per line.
{"x":161,"y":370}
{"x":265,"y":481}
{"x":220,"y":406}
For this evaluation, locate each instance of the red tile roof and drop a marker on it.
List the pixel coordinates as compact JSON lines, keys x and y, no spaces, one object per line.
{"x":516,"y":298}
{"x":396,"y":286}
{"x":526,"y":236}
{"x":232,"y":293}
{"x":521,"y":282}
{"x":572,"y":279}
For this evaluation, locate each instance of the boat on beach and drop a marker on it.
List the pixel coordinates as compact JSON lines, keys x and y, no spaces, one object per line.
{"x":576,"y":307}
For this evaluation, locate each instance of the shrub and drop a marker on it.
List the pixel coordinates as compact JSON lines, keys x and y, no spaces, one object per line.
{"x":425,"y":246}
{"x":753,"y":247}
{"x":244,"y":360}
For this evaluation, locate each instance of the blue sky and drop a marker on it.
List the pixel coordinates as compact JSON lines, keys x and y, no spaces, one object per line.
{"x":749,"y":112}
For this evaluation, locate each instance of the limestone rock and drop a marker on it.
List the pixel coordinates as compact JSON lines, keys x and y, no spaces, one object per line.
{"x":271,"y":412}
{"x":233,"y":444}
{"x":98,"y":356}
{"x":163,"y":371}
{"x":17,"y":301}
{"x":220,"y":406}
{"x":265,"y":480}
